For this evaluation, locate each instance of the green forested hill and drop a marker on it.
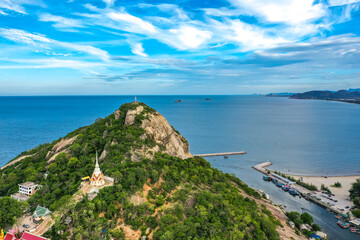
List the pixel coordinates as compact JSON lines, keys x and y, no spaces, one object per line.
{"x":159,"y":196}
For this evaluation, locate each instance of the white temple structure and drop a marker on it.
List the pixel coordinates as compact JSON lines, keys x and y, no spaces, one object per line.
{"x":97,"y":178}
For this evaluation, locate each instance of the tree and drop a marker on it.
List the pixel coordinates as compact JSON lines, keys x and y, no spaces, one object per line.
{"x":73,"y":162}
{"x":356,"y":213}
{"x":355,"y":192}
{"x":307,"y":218}
{"x":316,"y":227}
{"x":293,"y":215}
{"x":10,"y":210}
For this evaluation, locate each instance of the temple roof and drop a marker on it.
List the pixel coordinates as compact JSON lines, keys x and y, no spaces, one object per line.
{"x":97,"y":170}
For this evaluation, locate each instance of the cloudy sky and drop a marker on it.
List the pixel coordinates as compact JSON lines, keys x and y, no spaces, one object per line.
{"x":127,"y":47}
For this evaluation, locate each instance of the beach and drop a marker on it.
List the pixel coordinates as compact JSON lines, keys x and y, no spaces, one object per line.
{"x":341,"y":193}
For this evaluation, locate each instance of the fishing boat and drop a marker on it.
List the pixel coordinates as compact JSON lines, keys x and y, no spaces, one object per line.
{"x":343,"y":224}
{"x":285,"y":188}
{"x":354,"y":230}
{"x":293,"y":192}
{"x":226,"y":157}
{"x":279,"y":184}
{"x":267,"y":178}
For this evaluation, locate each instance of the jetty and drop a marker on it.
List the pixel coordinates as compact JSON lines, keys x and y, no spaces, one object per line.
{"x":219,"y":154}
{"x":261,"y":167}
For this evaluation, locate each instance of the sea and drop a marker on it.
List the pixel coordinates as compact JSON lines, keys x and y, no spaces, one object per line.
{"x":308,"y":137}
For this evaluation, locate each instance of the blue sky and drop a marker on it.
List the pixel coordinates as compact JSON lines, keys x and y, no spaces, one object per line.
{"x":118,"y":47}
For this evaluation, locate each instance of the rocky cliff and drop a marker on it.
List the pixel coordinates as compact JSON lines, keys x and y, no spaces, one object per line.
{"x":158,"y":129}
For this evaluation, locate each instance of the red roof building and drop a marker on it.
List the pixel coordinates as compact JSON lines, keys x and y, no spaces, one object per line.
{"x":25,"y":236}
{"x":10,"y":236}
{"x":29,"y":236}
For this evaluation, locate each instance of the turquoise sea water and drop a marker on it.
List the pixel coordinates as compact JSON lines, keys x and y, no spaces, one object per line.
{"x":299,"y":136}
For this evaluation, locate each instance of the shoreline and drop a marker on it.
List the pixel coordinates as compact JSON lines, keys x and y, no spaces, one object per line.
{"x":319,"y":175}
{"x":339,"y":202}
{"x":329,"y":100}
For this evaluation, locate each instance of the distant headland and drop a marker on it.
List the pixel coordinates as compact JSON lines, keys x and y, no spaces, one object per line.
{"x":349,"y":96}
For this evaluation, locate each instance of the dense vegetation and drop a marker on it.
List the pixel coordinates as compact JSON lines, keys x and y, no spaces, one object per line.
{"x":355,"y":197}
{"x":10,"y":210}
{"x":193,"y":200}
{"x":184,"y":198}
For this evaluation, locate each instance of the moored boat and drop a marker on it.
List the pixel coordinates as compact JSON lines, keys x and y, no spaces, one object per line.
{"x":293,"y":192}
{"x":279,"y":184}
{"x":266,"y":178}
{"x":343,"y":224}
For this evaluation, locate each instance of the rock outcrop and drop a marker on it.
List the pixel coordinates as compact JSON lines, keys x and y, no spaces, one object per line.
{"x":59,"y":147}
{"x":131,"y":114}
{"x":158,"y":129}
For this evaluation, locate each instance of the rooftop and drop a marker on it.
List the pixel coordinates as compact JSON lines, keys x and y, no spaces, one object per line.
{"x":28,"y":184}
{"x":283,"y":179}
{"x":356,"y":222}
{"x":29,"y":236}
{"x":20,"y":196}
{"x":9,"y":236}
{"x":41,"y":212}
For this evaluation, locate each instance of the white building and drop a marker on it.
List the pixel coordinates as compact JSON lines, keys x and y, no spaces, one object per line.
{"x":20,"y":197}
{"x":28,"y":188}
{"x":97,"y":178}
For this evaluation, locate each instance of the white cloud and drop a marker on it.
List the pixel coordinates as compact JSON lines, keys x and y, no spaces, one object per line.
{"x":247,"y":36}
{"x":12,"y":6}
{"x":109,"y":2}
{"x":138,"y":49}
{"x":133,"y":23}
{"x":287,"y":11}
{"x":61,"y":22}
{"x":49,"y":63}
{"x":189,"y":37}
{"x":342,"y":2}
{"x":173,"y":9}
{"x":21,"y":36}
{"x":16,"y":5}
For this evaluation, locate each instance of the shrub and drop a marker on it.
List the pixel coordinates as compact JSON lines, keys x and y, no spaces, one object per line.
{"x":337,"y":185}
{"x":315,"y":227}
{"x":356,"y":213}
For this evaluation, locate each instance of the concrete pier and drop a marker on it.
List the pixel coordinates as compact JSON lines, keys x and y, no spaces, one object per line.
{"x":261,"y":167}
{"x":219,"y":154}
